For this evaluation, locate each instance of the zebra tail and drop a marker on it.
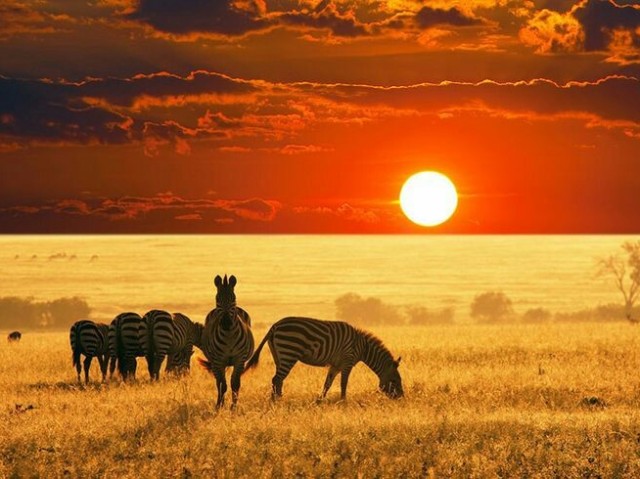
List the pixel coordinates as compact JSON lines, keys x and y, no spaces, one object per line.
{"x":253,"y":361}
{"x":75,"y":357}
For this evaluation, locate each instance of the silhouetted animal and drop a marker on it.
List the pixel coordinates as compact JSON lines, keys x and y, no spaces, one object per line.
{"x":328,"y":343}
{"x":91,"y":340}
{"x":124,"y":343}
{"x":14,"y":337}
{"x":186,"y":334}
{"x":227,"y":340}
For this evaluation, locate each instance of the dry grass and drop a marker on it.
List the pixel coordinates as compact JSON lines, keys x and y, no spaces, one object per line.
{"x":514,"y":401}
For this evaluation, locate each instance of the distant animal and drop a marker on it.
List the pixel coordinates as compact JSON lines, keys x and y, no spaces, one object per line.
{"x":328,"y":343}
{"x":186,"y":334}
{"x":227,"y":339}
{"x":124,"y":343}
{"x":14,"y":337}
{"x":91,"y":340}
{"x":156,"y":338}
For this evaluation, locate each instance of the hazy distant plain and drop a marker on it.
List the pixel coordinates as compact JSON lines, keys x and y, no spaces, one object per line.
{"x":303,"y":275}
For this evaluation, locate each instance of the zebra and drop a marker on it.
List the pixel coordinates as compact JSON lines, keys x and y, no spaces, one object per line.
{"x":124,"y":343}
{"x":90,"y":339}
{"x":156,"y":338}
{"x":227,"y":340}
{"x":328,"y":343}
{"x":186,"y":335}
{"x":14,"y":337}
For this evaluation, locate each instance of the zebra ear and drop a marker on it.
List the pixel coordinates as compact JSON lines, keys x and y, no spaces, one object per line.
{"x":232,"y":281}
{"x":217,"y":281}
{"x":397,"y":362}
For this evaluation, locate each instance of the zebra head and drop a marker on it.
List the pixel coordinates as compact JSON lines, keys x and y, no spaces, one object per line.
{"x":390,"y":380}
{"x":226,"y":299}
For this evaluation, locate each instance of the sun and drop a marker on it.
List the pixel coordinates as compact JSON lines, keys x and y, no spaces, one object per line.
{"x":428,"y":198}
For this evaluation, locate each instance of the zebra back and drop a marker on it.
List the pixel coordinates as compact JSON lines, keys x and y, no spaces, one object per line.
{"x":88,"y":338}
{"x":125,"y":341}
{"x":156,"y":333}
{"x":125,"y":332}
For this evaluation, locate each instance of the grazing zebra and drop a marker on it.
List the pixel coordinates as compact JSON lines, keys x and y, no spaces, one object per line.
{"x":14,"y":337}
{"x":156,"y":338}
{"x":227,"y":340}
{"x":186,"y":334}
{"x":124,"y":343}
{"x":328,"y":343}
{"x":92,"y":340}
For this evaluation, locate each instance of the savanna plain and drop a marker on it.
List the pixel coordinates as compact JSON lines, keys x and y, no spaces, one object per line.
{"x":518,"y":400}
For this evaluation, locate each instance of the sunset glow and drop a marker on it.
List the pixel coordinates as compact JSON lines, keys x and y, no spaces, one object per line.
{"x":229,"y":116}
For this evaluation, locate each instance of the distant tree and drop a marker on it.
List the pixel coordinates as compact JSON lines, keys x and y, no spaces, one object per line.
{"x":600,"y":313}
{"x":419,"y":315}
{"x":354,"y":308}
{"x":492,"y":306}
{"x":63,"y":312}
{"x":536,"y":315}
{"x":19,"y":312}
{"x":623,"y":270}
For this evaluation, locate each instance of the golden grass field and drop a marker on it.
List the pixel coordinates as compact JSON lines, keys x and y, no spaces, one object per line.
{"x":557,"y":400}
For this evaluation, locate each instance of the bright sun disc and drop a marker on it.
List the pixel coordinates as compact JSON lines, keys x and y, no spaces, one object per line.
{"x":428,"y":198}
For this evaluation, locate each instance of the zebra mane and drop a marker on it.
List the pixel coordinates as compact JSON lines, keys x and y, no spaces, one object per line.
{"x":375,"y":341}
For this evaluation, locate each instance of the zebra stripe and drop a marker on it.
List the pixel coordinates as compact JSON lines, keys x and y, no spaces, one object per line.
{"x":124,"y":343}
{"x":156,"y":337}
{"x":91,"y":340}
{"x":227,"y":339}
{"x":328,"y":343}
{"x":186,"y":335}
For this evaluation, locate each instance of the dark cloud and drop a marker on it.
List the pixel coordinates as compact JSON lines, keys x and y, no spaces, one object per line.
{"x":45,"y":112}
{"x":613,"y":98}
{"x":123,"y":91}
{"x":40,"y":111}
{"x":135,"y":208}
{"x":600,"y":17}
{"x":326,"y":16}
{"x":428,"y":17}
{"x":182,"y":17}
{"x":91,"y":111}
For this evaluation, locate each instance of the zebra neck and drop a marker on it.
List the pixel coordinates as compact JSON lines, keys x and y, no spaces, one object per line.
{"x":377,"y":357}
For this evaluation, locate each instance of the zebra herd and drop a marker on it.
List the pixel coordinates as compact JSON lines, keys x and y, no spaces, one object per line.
{"x":227,"y":341}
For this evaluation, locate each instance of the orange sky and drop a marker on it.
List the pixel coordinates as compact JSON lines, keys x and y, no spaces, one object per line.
{"x":292,"y":116}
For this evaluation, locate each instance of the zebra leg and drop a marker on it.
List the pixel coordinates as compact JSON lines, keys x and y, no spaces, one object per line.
{"x":87,"y":365}
{"x":79,"y":369}
{"x":103,"y":361}
{"x":344,"y":379}
{"x":331,"y":375}
{"x":132,"y":365}
{"x":221,"y":383}
{"x":235,"y":384}
{"x":157,"y":363}
{"x":282,"y":371}
{"x":112,"y":366}
{"x":150,"y":366}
